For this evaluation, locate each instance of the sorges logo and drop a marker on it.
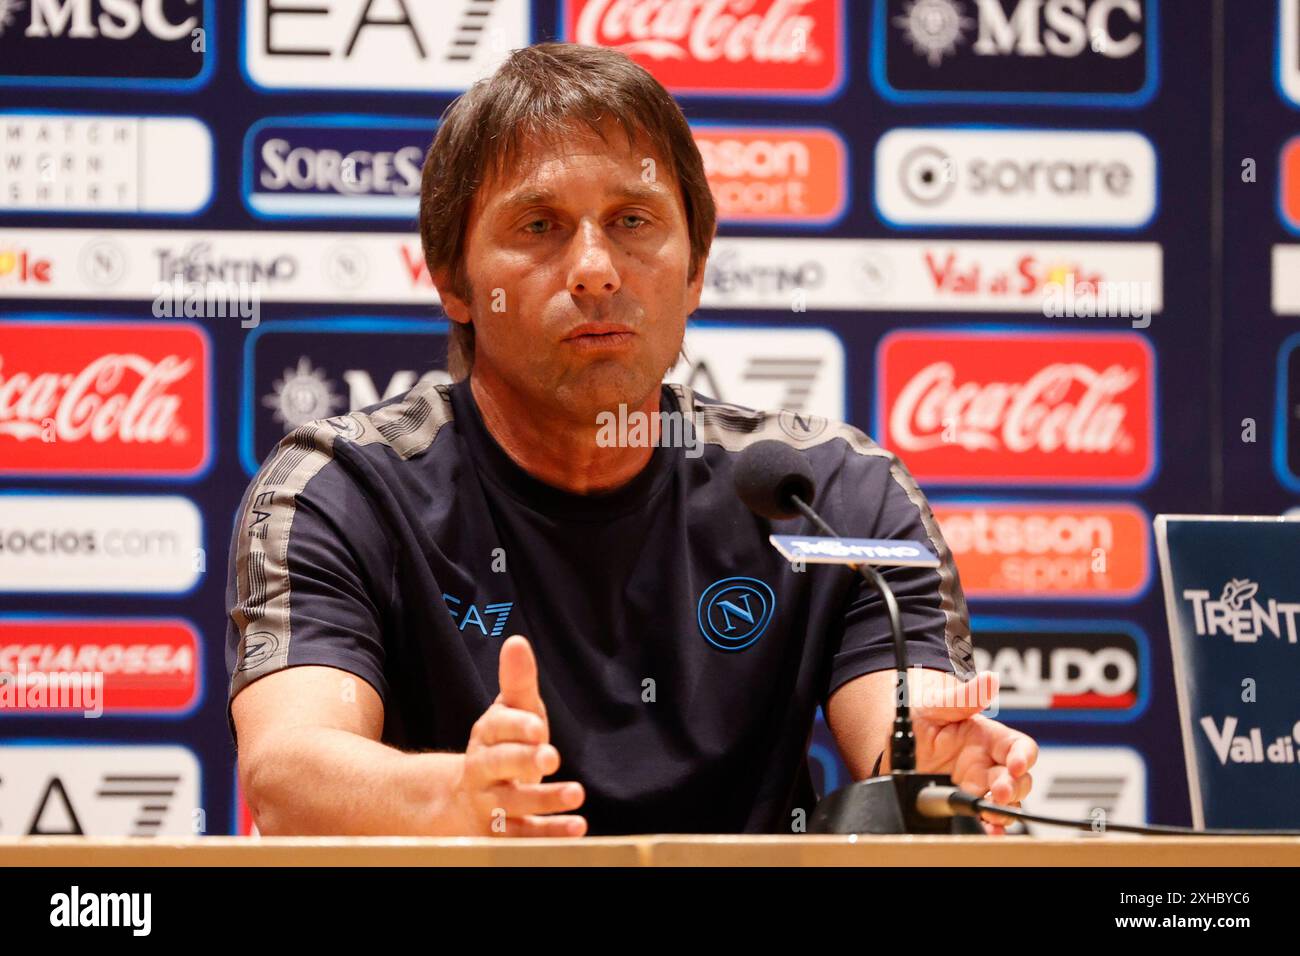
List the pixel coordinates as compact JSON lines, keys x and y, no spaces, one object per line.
{"x":727,"y":47}
{"x":110,"y":398}
{"x":1019,"y":408}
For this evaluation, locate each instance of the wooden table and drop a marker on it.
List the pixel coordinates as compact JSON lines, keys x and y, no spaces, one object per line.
{"x":653,"y":850}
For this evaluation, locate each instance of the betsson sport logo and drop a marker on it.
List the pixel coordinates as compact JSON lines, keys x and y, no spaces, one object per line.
{"x":775,"y":174}
{"x":1079,"y":52}
{"x":104,"y":398}
{"x":1019,"y":408}
{"x":755,"y":48}
{"x":1047,"y":550}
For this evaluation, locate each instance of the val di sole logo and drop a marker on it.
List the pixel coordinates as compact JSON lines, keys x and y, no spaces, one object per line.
{"x":734,"y":612}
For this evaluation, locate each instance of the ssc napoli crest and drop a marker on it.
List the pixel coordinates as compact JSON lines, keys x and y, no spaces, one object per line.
{"x":734,"y":612}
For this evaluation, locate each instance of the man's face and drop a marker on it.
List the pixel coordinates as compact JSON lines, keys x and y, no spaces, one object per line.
{"x":577,"y":263}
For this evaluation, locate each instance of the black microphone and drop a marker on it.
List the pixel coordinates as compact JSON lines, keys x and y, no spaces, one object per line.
{"x":776,"y":482}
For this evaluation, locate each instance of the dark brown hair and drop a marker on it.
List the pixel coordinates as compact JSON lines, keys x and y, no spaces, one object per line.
{"x":546,"y":91}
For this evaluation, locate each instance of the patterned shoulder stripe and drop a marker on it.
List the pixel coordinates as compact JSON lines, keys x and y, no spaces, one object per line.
{"x":262,"y":609}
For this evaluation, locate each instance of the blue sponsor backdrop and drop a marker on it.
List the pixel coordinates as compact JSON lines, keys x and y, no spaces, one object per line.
{"x":1216,"y":342}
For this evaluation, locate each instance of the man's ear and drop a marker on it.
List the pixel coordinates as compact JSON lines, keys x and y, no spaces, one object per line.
{"x":695,"y":288}
{"x":457,"y":309}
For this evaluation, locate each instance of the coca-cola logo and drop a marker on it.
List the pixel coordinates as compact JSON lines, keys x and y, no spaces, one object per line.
{"x":736,"y":47}
{"x":1005,"y":408}
{"x":103,"y":398}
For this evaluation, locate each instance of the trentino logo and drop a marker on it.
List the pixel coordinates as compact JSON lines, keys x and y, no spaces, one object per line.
{"x":1237,"y":614}
{"x":733,"y":613}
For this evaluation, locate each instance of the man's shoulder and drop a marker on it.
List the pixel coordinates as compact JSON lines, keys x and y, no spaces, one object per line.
{"x":734,"y":427}
{"x":334,"y":453}
{"x":406,"y":424}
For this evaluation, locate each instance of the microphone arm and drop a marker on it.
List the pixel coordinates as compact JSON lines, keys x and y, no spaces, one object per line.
{"x":902,"y":743}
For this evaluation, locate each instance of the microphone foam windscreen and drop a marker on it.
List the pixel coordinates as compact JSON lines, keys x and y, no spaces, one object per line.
{"x":767,"y":473}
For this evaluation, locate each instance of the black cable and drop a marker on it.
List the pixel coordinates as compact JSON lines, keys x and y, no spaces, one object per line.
{"x":961,"y":800}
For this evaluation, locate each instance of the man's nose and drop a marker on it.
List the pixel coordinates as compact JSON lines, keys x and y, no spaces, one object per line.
{"x":592,"y":270}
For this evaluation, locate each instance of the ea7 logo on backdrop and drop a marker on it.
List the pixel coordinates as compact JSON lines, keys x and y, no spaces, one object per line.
{"x":1051,"y":668}
{"x":389,"y":45}
{"x":467,"y":614}
{"x":1019,"y":408}
{"x":99,"y":790}
{"x":122,"y":43}
{"x":733,"y":613}
{"x":755,"y":48}
{"x":303,"y":371}
{"x":800,"y":370}
{"x":334,"y":167}
{"x":104,"y":398}
{"x":1080,"y":52}
{"x":1239,"y":614}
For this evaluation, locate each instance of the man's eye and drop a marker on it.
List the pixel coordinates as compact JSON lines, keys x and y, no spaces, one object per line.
{"x":544,"y":223}
{"x":640,"y":220}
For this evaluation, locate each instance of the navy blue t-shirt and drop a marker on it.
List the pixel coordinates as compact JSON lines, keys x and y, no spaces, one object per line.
{"x":681,"y":659}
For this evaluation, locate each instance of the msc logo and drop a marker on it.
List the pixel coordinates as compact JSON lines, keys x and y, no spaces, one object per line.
{"x":1072,"y":52}
{"x":734,"y":612}
{"x":466,"y":614}
{"x":122,"y":43}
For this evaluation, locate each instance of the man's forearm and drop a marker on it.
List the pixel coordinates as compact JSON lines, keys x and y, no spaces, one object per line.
{"x":310,"y":781}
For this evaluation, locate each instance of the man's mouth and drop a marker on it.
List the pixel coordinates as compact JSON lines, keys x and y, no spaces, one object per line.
{"x":600,"y":335}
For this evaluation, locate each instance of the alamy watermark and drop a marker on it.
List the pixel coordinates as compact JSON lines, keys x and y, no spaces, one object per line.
{"x":1099,"y":299}
{"x":179,"y":299}
{"x":60,"y":690}
{"x":638,"y":429}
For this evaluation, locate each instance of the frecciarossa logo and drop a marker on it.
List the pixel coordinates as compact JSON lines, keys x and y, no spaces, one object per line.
{"x":974,"y":407}
{"x":722,"y":47}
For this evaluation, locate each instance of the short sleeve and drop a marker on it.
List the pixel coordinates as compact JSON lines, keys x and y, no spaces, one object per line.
{"x":310,"y":571}
{"x":936,"y":622}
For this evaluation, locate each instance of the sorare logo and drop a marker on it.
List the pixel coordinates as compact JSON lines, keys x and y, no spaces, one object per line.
{"x":1066,"y":52}
{"x":1019,"y":408}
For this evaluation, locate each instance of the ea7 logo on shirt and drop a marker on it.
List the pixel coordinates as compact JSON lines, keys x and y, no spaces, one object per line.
{"x":1081,"y":52}
{"x":467,"y":614}
{"x":733,"y":613}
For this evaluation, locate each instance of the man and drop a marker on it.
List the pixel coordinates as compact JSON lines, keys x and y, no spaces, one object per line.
{"x":667,"y":663}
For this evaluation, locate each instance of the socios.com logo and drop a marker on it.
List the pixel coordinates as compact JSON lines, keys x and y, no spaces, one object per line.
{"x":734,"y":612}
